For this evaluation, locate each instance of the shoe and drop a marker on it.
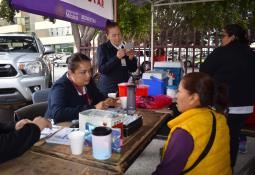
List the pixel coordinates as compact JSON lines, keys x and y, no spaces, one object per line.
{"x":242,"y":147}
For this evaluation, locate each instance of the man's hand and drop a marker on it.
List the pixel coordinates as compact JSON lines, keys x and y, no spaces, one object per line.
{"x":42,"y":123}
{"x":21,"y":123}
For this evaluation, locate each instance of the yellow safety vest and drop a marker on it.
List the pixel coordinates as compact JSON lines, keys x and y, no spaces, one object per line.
{"x":198,"y":123}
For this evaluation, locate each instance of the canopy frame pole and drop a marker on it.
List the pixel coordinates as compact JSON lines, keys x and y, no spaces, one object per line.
{"x":152,"y":34}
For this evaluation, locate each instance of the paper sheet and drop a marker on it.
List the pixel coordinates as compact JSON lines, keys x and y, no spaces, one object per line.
{"x":46,"y":132}
{"x":61,"y":137}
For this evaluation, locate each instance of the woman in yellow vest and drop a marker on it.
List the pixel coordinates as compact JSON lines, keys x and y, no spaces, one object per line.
{"x":198,"y":143}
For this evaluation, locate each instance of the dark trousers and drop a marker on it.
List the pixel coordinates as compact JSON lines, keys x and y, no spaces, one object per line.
{"x":235,"y":123}
{"x":242,"y":138}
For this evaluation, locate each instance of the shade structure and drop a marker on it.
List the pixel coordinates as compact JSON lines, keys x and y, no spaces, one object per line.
{"x":86,"y":12}
{"x":157,"y":3}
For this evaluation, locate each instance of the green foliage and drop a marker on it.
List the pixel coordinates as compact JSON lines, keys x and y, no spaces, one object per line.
{"x":134,"y":21}
{"x":203,"y":17}
{"x":214,"y":15}
{"x":7,"y":12}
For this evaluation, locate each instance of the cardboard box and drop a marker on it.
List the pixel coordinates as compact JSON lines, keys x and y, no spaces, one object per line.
{"x":99,"y":118}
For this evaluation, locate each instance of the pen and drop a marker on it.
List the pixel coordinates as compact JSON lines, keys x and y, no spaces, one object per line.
{"x":67,"y":134}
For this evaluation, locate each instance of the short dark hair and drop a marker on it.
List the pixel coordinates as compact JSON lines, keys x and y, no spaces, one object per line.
{"x":210,"y":94}
{"x":109,"y":25}
{"x":237,"y":31}
{"x":74,"y":60}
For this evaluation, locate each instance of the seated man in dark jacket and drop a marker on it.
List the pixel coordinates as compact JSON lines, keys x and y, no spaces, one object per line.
{"x":75,"y":92}
{"x":15,"y":139}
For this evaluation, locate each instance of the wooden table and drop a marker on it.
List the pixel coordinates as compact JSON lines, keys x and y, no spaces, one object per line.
{"x":50,"y":157}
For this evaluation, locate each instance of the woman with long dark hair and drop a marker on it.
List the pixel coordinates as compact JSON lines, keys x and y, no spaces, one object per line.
{"x":233,"y":64}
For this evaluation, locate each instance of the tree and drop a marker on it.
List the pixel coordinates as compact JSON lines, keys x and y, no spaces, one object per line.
{"x":82,"y":37}
{"x":179,"y":23}
{"x":134,"y":21}
{"x":7,"y":12}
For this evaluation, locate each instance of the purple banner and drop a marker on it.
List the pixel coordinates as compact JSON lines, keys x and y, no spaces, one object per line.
{"x":60,"y":10}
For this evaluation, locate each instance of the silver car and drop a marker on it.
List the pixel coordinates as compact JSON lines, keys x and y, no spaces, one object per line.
{"x":23,"y":68}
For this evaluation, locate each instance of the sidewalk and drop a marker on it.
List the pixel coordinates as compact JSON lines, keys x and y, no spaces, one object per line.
{"x":147,"y":162}
{"x":242,"y":159}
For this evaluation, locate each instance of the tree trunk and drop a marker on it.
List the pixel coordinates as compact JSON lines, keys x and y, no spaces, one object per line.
{"x":86,"y":36}
{"x":82,"y":37}
{"x":101,"y":37}
{"x":76,"y":35}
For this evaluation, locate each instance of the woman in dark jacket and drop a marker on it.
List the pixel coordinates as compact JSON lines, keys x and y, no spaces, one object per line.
{"x":115,"y":63}
{"x":75,"y":91}
{"x":233,"y":64}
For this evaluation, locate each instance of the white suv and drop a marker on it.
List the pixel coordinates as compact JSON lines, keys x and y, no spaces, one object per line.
{"x":23,"y":67}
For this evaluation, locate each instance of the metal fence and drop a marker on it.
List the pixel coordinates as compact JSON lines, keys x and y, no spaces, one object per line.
{"x":190,"y":56}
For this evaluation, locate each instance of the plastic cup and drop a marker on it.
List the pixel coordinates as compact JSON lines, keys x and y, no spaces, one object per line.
{"x":102,"y":143}
{"x":76,"y":139}
{"x":123,"y":102}
{"x":122,"y":89}
{"x":112,"y":95}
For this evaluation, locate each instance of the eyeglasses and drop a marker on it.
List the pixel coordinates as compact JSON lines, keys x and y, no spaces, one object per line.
{"x":84,"y":72}
{"x":223,"y":35}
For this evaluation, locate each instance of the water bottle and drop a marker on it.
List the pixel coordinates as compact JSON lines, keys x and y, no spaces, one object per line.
{"x":131,"y":98}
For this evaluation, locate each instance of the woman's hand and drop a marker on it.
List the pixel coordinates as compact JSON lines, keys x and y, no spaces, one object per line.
{"x":131,"y":54}
{"x":101,"y":105}
{"x":110,"y":102}
{"x":121,"y":53}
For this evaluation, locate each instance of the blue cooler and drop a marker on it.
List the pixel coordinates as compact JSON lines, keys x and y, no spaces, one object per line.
{"x":157,"y":82}
{"x":173,"y":67}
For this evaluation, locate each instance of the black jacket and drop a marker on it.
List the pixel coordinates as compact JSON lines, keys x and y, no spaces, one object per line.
{"x":234,"y":65}
{"x":14,"y":143}
{"x":64,"y":103}
{"x":112,"y":72}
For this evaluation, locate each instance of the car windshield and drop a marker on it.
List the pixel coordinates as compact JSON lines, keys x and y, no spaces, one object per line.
{"x":18,"y":44}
